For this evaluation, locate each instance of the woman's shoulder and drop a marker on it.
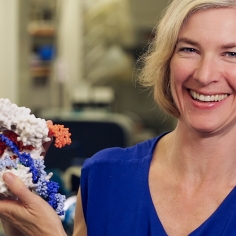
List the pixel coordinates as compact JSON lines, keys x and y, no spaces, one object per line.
{"x":116,"y":154}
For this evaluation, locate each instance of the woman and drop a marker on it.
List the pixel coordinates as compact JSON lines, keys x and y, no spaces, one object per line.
{"x":182,"y":182}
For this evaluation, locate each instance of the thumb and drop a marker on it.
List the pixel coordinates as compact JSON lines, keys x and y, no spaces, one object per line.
{"x":17,"y":187}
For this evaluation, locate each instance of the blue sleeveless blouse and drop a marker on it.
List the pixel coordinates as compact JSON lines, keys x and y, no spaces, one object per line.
{"x":117,"y":202}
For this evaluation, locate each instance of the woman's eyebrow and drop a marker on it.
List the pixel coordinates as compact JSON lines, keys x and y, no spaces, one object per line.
{"x":194,"y":43}
{"x":229,"y":45}
{"x":188,"y":41}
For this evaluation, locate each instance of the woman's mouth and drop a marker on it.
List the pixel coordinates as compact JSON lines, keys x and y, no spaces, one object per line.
{"x":208,"y":98}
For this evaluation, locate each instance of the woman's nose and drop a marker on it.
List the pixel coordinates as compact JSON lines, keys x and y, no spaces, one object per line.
{"x":206,"y":70}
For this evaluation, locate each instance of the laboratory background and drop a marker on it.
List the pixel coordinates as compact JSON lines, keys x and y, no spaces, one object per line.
{"x":76,"y":62}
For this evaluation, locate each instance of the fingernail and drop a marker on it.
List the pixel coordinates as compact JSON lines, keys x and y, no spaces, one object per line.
{"x":8,"y":178}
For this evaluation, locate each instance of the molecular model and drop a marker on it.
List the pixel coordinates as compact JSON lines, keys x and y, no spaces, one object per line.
{"x":22,"y":136}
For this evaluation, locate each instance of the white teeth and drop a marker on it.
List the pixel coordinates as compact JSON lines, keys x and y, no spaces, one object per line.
{"x":208,"y":98}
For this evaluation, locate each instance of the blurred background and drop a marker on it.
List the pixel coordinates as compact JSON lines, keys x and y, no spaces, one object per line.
{"x":76,"y":62}
{"x":68,"y":54}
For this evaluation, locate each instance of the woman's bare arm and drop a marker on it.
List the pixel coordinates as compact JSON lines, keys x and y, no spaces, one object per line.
{"x":10,"y":230}
{"x":80,"y":228}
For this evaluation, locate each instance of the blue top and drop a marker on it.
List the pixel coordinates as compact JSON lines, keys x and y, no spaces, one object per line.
{"x":117,"y":201}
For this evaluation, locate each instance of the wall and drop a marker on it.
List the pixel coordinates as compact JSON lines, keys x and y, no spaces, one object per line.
{"x":23,"y":48}
{"x":70,"y":46}
{"x":146,"y":12}
{"x":9,"y":68}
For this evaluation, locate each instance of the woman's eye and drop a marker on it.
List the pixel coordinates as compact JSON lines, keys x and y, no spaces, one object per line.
{"x":231,"y":54}
{"x":191,"y":50}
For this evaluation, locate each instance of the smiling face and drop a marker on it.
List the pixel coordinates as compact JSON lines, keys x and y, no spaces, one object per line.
{"x":203,"y":71}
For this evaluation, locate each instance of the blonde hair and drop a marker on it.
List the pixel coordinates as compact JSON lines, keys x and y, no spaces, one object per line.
{"x":156,"y":70}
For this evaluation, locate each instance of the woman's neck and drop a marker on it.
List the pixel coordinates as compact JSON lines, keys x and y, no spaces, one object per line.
{"x":200,"y":158}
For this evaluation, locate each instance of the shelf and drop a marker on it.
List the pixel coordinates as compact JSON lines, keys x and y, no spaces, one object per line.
{"x":40,"y":71}
{"x":42,"y":30}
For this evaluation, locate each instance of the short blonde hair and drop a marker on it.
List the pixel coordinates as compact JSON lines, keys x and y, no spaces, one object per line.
{"x":156,"y":70}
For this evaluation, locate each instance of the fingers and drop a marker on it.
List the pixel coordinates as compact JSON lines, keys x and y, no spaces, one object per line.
{"x":46,"y":147}
{"x":49,"y":122}
{"x":31,"y":215}
{"x":47,"y":144}
{"x":17,"y":187}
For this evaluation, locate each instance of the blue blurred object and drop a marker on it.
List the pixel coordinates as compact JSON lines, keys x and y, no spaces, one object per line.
{"x":47,"y":52}
{"x":68,"y":218}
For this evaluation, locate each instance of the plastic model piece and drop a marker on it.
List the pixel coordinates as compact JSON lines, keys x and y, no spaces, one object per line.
{"x":22,"y":136}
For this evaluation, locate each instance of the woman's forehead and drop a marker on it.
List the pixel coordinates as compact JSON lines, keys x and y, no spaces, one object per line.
{"x":211,"y":21}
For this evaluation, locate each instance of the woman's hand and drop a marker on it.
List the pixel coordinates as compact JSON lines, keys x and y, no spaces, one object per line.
{"x":47,"y":144}
{"x":10,"y":230}
{"x":31,"y":215}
